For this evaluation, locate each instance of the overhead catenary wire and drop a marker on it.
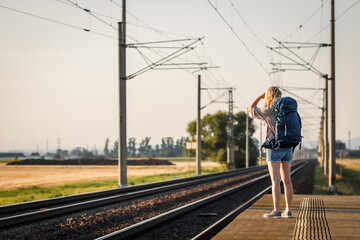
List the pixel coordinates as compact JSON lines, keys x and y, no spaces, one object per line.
{"x":110,"y":25}
{"x":243,"y":43}
{"x":162,"y":33}
{"x":295,"y":95}
{"x":238,"y":37}
{"x":90,"y":12}
{"x":165,"y":59}
{"x":145,"y":26}
{"x":148,"y":26}
{"x":76,"y":27}
{"x":248,"y":26}
{"x":93,"y":12}
{"x":301,"y":88}
{"x":306,"y":65}
{"x":336,"y":19}
{"x":56,"y":21}
{"x":175,"y":64}
{"x":179,"y":68}
{"x":306,"y":20}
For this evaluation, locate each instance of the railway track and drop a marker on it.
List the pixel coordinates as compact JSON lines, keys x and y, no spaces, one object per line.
{"x":30,"y":212}
{"x":144,"y":229}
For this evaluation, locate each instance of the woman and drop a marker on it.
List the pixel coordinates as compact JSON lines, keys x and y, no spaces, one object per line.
{"x":279,"y":161}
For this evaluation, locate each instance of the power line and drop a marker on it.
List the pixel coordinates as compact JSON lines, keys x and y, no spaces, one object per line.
{"x":89,"y":12}
{"x":44,"y":18}
{"x":55,"y":21}
{"x":149,"y":27}
{"x":305,"y":64}
{"x":238,"y":37}
{"x":301,"y":25}
{"x":246,"y":24}
{"x":150,"y":66}
{"x":92,"y":13}
{"x":162,"y":33}
{"x":127,"y":22}
{"x":337,"y":18}
{"x":300,"y":98}
{"x":97,"y":13}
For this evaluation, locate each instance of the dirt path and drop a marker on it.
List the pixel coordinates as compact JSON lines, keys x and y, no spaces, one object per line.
{"x":13,"y":177}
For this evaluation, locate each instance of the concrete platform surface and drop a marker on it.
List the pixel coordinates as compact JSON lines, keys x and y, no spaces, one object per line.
{"x":314,"y":217}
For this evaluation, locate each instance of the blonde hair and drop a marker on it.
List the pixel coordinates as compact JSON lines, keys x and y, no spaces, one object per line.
{"x":271,"y":94}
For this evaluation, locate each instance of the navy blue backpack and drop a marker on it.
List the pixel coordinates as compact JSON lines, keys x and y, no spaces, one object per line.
{"x":288,"y":125}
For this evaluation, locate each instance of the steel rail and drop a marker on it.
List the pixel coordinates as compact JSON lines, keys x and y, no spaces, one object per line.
{"x":13,"y":208}
{"x":18,"y":219}
{"x":141,"y":227}
{"x":223,"y":222}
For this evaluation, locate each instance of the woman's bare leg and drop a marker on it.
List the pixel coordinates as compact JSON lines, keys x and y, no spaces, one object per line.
{"x":274,"y":171}
{"x":288,"y":187}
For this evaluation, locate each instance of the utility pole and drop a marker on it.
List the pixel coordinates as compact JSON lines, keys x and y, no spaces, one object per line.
{"x":122,"y":151}
{"x":230,"y":150}
{"x":198,"y":130}
{"x":326,"y":127}
{"x":332,"y":147}
{"x":349,"y":140}
{"x":321,"y":141}
{"x":247,"y":138}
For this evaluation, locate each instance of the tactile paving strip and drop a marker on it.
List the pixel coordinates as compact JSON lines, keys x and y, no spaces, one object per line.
{"x":311,"y":221}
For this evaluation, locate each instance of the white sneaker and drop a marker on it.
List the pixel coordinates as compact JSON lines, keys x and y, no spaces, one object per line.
{"x":272,"y":214}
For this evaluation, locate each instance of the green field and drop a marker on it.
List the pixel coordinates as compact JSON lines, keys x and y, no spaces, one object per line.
{"x":347,"y":178}
{"x":37,"y":193}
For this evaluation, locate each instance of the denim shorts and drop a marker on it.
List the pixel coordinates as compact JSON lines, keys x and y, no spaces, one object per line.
{"x":280,"y":155}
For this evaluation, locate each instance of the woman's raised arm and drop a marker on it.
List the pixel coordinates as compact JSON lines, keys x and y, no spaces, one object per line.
{"x":257,"y":100}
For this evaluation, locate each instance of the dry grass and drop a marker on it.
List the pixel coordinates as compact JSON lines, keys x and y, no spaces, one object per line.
{"x":14,"y":177}
{"x":348,"y":162}
{"x":347,"y":178}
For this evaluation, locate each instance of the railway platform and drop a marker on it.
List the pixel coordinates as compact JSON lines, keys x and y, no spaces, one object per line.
{"x":314,"y":217}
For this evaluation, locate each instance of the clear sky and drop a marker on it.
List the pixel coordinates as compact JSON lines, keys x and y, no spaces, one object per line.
{"x":58,"y":81}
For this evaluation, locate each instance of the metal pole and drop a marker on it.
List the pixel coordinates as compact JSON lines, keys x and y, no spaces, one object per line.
{"x":332,"y":147}
{"x":122,"y":151}
{"x":230,"y":149}
{"x":198,"y":130}
{"x":326,"y":128}
{"x":321,"y":142}
{"x":247,"y":138}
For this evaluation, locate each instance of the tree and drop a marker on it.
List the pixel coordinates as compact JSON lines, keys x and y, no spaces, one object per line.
{"x":145,"y":148}
{"x":132,"y":147}
{"x":106,"y":148}
{"x":240,"y":140}
{"x":114,"y":151}
{"x":167,"y":147}
{"x":179,"y":146}
{"x":157,"y":150}
{"x":82,"y":153}
{"x":215,"y":137}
